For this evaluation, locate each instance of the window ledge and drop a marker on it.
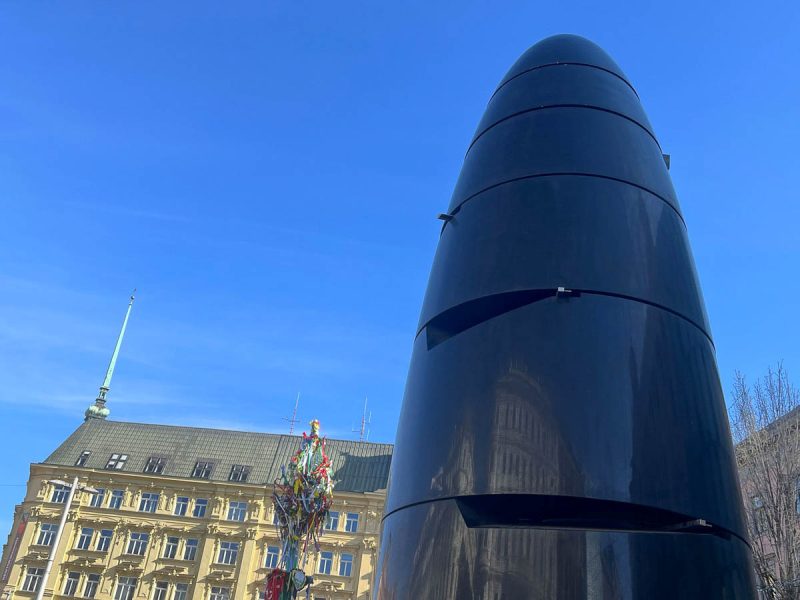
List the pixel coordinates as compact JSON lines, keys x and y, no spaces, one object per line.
{"x":125,"y":557}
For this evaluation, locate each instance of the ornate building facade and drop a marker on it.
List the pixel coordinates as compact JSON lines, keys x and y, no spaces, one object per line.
{"x":180,"y":513}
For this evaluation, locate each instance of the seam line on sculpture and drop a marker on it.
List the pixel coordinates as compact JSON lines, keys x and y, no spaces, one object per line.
{"x":579,"y":290}
{"x":588,"y":106}
{"x":563,"y":174}
{"x":444,"y":498}
{"x":559,"y":64}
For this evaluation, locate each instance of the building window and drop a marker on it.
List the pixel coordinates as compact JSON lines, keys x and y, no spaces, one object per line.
{"x":104,"y":540}
{"x":351,"y":524}
{"x":71,"y":583}
{"x":190,"y":551}
{"x":81,"y":462}
{"x":271,"y":560}
{"x":181,"y":505}
{"x":160,"y":591}
{"x":33,"y":578}
{"x":180,"y":591}
{"x":239,"y":473}
{"x":92,"y":582}
{"x":125,"y":588}
{"x":137,"y":543}
{"x":325,"y":562}
{"x":346,"y":565}
{"x":117,"y":461}
{"x":85,"y":539}
{"x":115,"y":501}
{"x":202,"y":469}
{"x":155,"y":464}
{"x":60,"y":493}
{"x":47,"y":533}
{"x":228,"y":551}
{"x":332,"y":521}
{"x":97,"y":499}
{"x":220,"y":593}
{"x":149,"y":502}
{"x":171,"y":547}
{"x":200,"y":505}
{"x":237,"y":511}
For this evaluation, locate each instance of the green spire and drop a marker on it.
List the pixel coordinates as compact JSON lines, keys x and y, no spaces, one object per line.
{"x":98,"y":410}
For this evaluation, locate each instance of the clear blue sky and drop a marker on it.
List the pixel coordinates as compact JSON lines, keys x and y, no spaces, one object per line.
{"x":268,"y":175}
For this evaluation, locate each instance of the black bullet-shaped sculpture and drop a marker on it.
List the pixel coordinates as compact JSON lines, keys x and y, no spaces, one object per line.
{"x":563,"y":432}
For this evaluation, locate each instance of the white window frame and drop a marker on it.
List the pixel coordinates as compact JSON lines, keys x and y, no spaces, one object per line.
{"x":116,"y":499}
{"x":228,"y":552}
{"x":325,"y":562}
{"x":97,"y":500}
{"x":33,"y":579}
{"x":331,"y":521}
{"x":271,"y":557}
{"x":219,"y":593}
{"x":200,"y":502}
{"x":126,"y":588}
{"x":351,"y":522}
{"x":160,"y":590}
{"x":84,"y":539}
{"x":103,"y":543}
{"x":71,"y":583}
{"x":116,"y":462}
{"x":237,"y":510}
{"x":349,"y":562}
{"x":171,"y":547}
{"x":155,"y":465}
{"x":91,"y":585}
{"x":46,"y":536}
{"x":190,"y":547}
{"x":239,"y":473}
{"x":180,"y":591}
{"x":149,"y":502}
{"x":60,"y":493}
{"x":137,"y":546}
{"x":203,"y":469}
{"x":179,"y":502}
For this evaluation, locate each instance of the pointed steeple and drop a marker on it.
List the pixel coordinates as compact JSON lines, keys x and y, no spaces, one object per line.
{"x":98,"y":410}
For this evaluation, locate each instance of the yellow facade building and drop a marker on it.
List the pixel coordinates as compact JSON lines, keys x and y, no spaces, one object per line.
{"x":184,"y":513}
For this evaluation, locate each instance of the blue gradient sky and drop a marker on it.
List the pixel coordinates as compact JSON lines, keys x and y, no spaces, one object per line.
{"x":268,"y":173}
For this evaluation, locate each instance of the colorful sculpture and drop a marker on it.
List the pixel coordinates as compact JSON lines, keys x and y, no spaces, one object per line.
{"x":302,"y":497}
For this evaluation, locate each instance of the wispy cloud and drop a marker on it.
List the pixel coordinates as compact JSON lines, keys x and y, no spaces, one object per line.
{"x":117,"y":209}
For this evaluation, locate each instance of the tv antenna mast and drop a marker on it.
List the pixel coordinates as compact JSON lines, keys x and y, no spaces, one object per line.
{"x":366,"y":419}
{"x":293,"y":420}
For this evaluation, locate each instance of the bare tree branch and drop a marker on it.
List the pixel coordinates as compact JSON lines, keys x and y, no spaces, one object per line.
{"x":765,"y":422}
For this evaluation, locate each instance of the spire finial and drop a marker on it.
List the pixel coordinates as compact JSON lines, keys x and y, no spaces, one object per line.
{"x":98,"y":410}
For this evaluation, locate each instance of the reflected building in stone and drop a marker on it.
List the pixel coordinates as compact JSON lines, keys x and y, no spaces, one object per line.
{"x":563,"y":433}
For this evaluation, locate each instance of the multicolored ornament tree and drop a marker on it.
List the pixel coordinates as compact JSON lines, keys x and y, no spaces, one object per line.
{"x":302,"y":497}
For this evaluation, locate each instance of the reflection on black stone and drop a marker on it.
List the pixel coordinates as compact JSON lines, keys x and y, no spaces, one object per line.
{"x":604,"y":410}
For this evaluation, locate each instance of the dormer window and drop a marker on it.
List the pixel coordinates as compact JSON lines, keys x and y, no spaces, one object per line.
{"x":239,"y":473}
{"x":81,"y":462}
{"x":155,"y":464}
{"x":117,"y":461}
{"x":202,"y":469}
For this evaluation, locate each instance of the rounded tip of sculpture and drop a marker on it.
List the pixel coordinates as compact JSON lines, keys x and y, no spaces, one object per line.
{"x":564,"y":48}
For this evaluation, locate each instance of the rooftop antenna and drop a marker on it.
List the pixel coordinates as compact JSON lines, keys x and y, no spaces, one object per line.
{"x":366,"y":419}
{"x":293,"y":420}
{"x":98,"y":410}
